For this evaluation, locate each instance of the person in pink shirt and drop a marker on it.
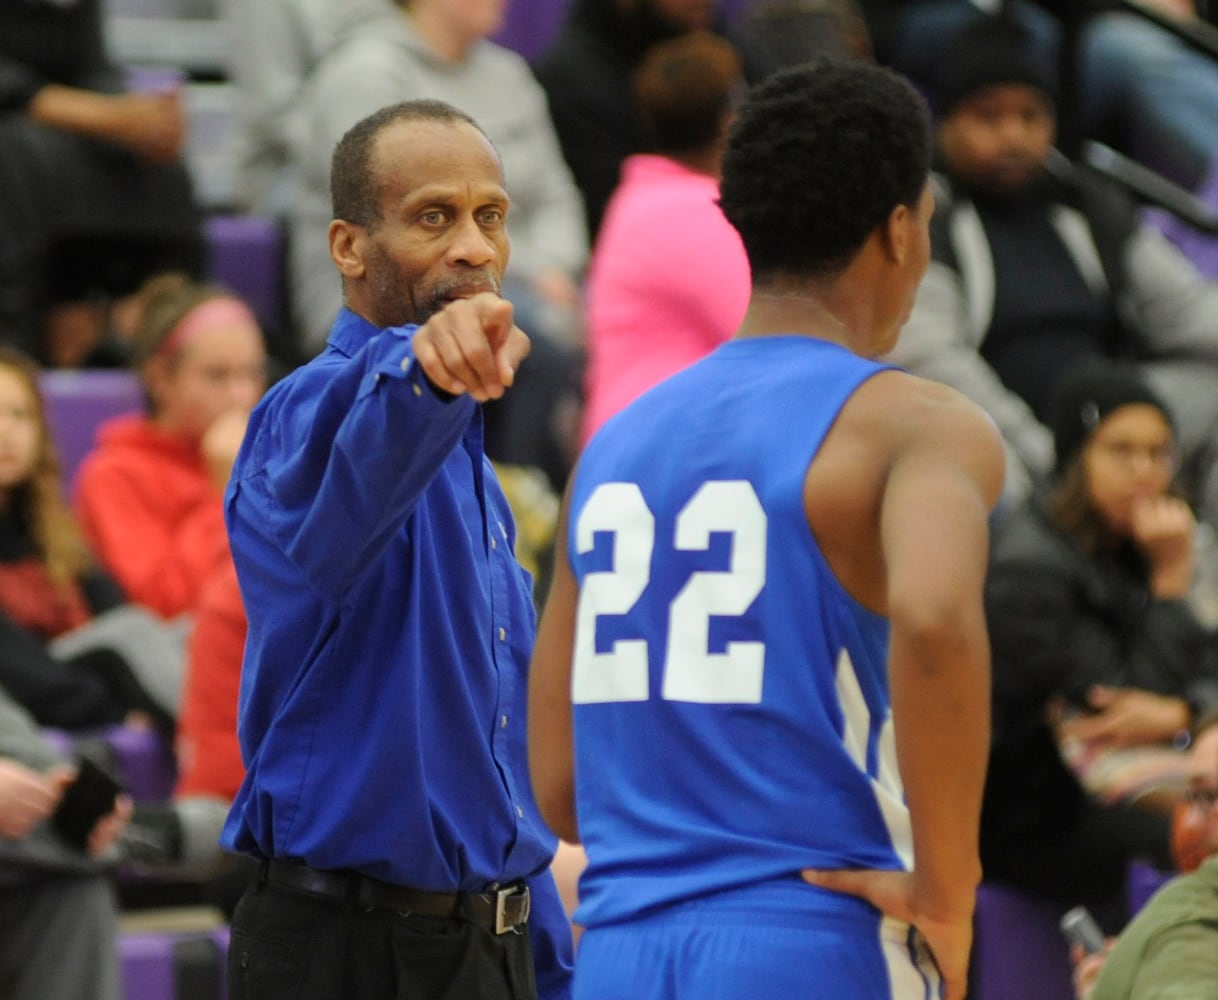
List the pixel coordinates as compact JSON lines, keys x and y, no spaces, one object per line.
{"x":668,"y":280}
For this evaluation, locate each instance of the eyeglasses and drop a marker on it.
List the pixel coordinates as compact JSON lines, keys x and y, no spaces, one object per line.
{"x":1202,"y":798}
{"x":1160,"y":456}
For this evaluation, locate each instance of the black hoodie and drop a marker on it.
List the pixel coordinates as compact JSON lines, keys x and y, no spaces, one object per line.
{"x":586,"y":72}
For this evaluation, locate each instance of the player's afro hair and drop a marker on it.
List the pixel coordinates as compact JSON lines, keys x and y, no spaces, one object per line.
{"x":819,"y":157}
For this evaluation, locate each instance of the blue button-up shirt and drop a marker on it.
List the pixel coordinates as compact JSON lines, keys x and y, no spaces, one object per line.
{"x":382,"y":713}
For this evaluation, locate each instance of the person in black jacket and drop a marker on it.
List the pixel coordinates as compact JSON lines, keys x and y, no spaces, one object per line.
{"x":94,"y":194}
{"x":1096,"y":652}
{"x":1039,"y":264}
{"x":587,"y":73}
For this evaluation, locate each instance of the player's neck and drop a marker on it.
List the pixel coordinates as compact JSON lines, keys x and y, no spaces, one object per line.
{"x":773,"y":312}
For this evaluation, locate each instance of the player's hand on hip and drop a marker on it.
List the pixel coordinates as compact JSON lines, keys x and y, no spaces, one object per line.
{"x":894,"y":893}
{"x":472,"y":345}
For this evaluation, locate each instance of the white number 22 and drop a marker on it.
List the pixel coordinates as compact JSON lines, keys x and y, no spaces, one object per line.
{"x":691,"y":672}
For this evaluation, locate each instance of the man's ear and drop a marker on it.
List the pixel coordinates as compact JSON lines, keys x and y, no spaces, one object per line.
{"x":895,"y":232}
{"x":347,"y":248}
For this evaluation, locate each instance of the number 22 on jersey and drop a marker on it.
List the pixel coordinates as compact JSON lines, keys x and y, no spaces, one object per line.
{"x":690,"y":672}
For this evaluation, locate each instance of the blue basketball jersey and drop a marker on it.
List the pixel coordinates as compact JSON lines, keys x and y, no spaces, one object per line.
{"x":731,"y":708}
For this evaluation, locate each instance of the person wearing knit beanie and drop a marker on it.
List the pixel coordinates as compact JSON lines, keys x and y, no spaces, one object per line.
{"x":995,"y":107}
{"x":987,"y":52}
{"x":1089,"y":396}
{"x":1040,"y":264}
{"x":1117,"y":458}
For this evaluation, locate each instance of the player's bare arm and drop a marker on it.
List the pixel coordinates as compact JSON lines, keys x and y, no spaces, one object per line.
{"x":551,"y":738}
{"x":943,"y":477}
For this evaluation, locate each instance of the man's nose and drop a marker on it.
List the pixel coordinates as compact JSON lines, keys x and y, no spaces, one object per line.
{"x":471,"y":245}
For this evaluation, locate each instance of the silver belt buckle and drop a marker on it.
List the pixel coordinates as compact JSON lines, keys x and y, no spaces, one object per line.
{"x":501,"y":898}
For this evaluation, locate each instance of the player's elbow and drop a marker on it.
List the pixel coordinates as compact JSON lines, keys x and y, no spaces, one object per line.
{"x":553,"y":780}
{"x":938,"y":628}
{"x":557,"y":807}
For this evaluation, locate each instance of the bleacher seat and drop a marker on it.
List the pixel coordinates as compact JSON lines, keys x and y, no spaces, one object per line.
{"x":169,"y":9}
{"x":1019,"y":952}
{"x":78,"y":401}
{"x":198,"y":46}
{"x":211,"y":143}
{"x":145,"y":760}
{"x":528,"y":27}
{"x":245,"y":252}
{"x":142,"y":759}
{"x":1144,"y":881}
{"x":174,"y":965}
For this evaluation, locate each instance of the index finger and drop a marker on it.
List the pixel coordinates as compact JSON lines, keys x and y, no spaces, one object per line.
{"x":458,"y":348}
{"x":515,"y":349}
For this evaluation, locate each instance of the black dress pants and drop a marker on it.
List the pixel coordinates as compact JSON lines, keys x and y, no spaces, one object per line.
{"x":291,"y":946}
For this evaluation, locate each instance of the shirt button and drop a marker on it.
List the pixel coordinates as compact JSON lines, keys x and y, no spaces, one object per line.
{"x":502,"y":633}
{"x":418,"y":389}
{"x":520,"y":812}
{"x":503,"y":722}
{"x":494,"y":544}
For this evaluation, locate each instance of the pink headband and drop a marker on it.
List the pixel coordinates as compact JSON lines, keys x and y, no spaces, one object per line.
{"x":220,"y":311}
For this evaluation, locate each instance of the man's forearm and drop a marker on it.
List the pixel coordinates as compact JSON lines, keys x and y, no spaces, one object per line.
{"x":73,"y":110}
{"x":941,"y":711}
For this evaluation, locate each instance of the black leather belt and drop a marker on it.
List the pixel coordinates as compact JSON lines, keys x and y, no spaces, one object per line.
{"x":501,"y":911}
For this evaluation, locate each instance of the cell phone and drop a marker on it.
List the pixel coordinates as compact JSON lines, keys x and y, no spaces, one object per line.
{"x":1080,"y":928}
{"x":85,"y":801}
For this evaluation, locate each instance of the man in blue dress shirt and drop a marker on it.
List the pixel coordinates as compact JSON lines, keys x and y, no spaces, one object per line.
{"x":382,"y":717}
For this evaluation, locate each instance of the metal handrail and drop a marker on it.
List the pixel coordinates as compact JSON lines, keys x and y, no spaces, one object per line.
{"x":1149,"y":186}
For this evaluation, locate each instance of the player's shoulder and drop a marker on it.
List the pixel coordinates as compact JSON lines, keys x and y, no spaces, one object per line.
{"x":920,"y":407}
{"x":925,"y":425}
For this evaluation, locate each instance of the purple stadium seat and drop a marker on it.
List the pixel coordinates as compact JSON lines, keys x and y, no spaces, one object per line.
{"x":61,"y":741}
{"x":141,"y":758}
{"x":77,"y":401}
{"x":529,"y":26}
{"x":174,"y":965}
{"x":1018,"y":949}
{"x":145,"y":761}
{"x":1143,"y":882}
{"x":147,"y":966}
{"x":245,"y":252}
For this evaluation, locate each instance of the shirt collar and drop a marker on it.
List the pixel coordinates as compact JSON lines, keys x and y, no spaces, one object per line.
{"x":351,"y":332}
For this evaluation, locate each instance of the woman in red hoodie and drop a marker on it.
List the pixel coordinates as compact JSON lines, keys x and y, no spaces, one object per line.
{"x":149,"y":496}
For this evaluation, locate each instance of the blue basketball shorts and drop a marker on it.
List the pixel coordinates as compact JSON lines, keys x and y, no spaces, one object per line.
{"x":703,"y":949}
